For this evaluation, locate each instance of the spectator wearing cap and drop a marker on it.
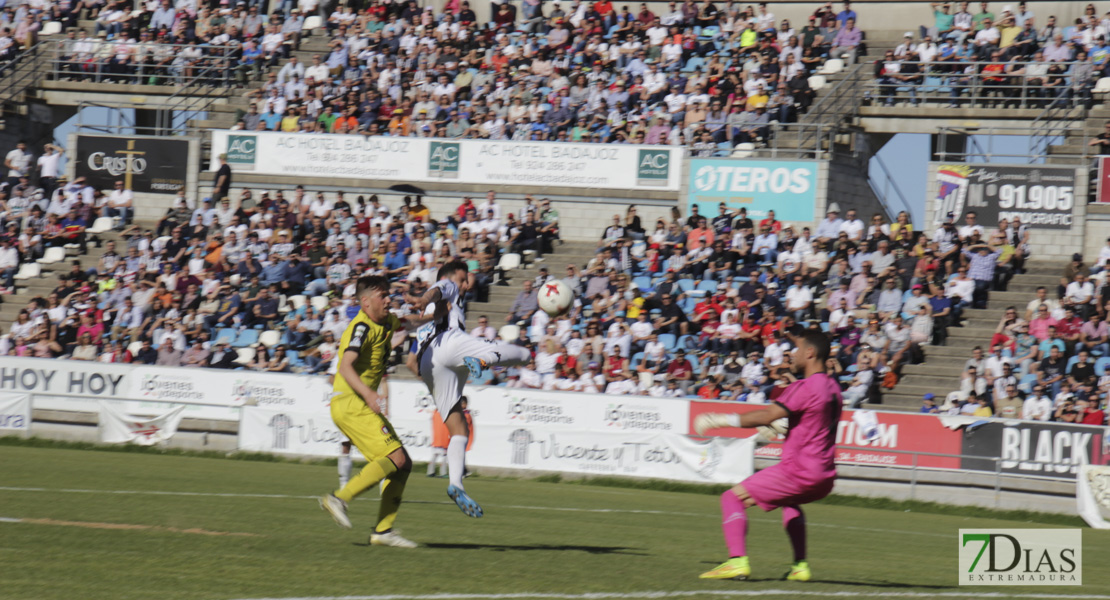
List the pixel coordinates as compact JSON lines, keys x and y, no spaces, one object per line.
{"x":982,"y":259}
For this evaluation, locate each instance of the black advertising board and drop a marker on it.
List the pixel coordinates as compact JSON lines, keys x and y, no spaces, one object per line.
{"x":1034,"y":448}
{"x":1043,"y":197}
{"x":144,"y":164}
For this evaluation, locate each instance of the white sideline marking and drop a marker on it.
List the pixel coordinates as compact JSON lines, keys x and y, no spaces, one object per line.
{"x":632,"y":511}
{"x":702,"y":593}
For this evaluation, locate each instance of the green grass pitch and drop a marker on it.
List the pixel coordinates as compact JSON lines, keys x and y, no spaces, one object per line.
{"x":79,"y":538}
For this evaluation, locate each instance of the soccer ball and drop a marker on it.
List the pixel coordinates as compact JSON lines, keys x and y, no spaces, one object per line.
{"x":555,"y":298}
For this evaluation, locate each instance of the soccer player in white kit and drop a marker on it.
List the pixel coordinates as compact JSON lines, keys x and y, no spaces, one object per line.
{"x":446,"y":354}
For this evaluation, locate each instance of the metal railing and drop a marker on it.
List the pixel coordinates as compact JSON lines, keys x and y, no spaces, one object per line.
{"x":21,"y":73}
{"x":886,"y":188}
{"x":1013,"y":144}
{"x":197,"y":82}
{"x":99,"y":61}
{"x":1014,"y":86}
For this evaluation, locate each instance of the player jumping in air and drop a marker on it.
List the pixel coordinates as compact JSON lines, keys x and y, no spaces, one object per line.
{"x":446,"y":354}
{"x":806,"y":472}
{"x":357,"y":410}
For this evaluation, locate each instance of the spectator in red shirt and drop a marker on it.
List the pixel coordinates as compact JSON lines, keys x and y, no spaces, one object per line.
{"x":681,"y":371}
{"x":1090,"y":414}
{"x":1068,"y":328}
{"x":700,"y":236}
{"x":772,"y":222}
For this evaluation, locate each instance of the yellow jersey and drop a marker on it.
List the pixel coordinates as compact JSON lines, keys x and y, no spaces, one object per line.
{"x":372,"y":342}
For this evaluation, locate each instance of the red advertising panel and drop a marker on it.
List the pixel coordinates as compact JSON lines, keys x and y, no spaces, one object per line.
{"x":904,"y":432}
{"x":1103,"y":189}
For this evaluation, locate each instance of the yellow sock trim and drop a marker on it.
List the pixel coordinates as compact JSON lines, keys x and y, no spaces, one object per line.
{"x":368,"y":477}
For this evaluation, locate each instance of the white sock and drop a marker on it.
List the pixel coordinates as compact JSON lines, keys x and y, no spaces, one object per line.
{"x":456,"y":460}
{"x":437,"y":456}
{"x":344,"y":469}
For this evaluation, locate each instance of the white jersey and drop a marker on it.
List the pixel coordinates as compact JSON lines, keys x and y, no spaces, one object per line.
{"x":455,"y":319}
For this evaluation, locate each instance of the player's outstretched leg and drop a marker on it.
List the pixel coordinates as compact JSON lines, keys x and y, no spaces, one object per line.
{"x":734,"y":523}
{"x":794,"y":522}
{"x":456,"y":462}
{"x":479,"y":355}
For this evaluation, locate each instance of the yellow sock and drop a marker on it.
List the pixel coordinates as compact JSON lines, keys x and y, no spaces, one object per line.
{"x":391,"y":500}
{"x":370,"y":475}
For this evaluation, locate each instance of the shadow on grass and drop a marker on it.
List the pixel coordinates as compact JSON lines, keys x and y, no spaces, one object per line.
{"x":541,"y":547}
{"x":863,"y":584}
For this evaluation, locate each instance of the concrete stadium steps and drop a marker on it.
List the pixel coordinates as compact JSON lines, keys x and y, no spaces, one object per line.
{"x":943,"y":366}
{"x":27,"y":289}
{"x":501,"y":297}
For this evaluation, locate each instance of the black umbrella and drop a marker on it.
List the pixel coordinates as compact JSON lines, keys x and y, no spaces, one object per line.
{"x":406,"y":188}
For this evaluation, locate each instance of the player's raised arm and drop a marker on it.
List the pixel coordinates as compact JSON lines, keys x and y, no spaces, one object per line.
{"x":757,"y":418}
{"x":348,"y":373}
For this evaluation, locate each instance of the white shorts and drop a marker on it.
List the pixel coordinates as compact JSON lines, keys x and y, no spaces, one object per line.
{"x":445,"y":374}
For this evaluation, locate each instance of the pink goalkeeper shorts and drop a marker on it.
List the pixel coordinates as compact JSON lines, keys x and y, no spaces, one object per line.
{"x":775,"y":487}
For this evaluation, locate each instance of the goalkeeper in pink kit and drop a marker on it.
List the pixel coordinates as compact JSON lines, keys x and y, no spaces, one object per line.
{"x":806,"y":472}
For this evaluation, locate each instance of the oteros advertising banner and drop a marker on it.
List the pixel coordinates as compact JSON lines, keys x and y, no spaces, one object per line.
{"x":486,"y":162}
{"x":1041,"y":197}
{"x":787,"y":187}
{"x":145,"y":164}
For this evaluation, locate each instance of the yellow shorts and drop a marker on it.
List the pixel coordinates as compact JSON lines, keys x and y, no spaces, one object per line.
{"x":370,"y":432}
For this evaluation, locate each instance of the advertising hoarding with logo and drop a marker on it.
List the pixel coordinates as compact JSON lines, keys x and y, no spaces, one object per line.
{"x":1034,"y":448}
{"x":1042,"y":197}
{"x":15,"y":414}
{"x":485,"y":162}
{"x":787,"y":187}
{"x":154,"y":165}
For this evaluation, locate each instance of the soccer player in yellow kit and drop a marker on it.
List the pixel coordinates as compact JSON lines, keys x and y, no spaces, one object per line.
{"x":362,"y":358}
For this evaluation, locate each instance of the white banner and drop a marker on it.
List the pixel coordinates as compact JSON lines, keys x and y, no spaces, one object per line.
{"x":1092,"y":495}
{"x":567,"y":411}
{"x":117,"y":427}
{"x":304,"y":433}
{"x":484,"y":162}
{"x":15,"y":413}
{"x":229,"y":388}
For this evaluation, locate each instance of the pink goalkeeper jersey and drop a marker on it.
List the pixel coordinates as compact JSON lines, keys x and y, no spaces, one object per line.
{"x":809,"y":452}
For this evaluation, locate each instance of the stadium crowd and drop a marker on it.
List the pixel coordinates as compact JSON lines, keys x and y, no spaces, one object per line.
{"x":1012,"y":59}
{"x":694,"y":74}
{"x":701,"y":305}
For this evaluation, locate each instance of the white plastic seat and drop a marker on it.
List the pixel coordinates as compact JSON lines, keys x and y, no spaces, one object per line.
{"x":743,"y":150}
{"x":529,"y":257}
{"x":269,"y":338}
{"x":51,"y":28}
{"x":245,"y":355}
{"x":101,"y":224}
{"x":817,"y":82}
{"x":1102,"y":86}
{"x":509,"y":261}
{"x":234,"y":279}
{"x":28,"y":271}
{"x":509,"y":333}
{"x":52,"y":255}
{"x":134,"y":347}
{"x":319,"y":303}
{"x":283,"y":305}
{"x":313,"y":22}
{"x":831,"y":67}
{"x":297,"y":301}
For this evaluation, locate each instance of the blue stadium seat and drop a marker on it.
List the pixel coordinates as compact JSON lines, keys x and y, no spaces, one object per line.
{"x":246,"y":338}
{"x":225,"y":335}
{"x":687,"y":342}
{"x":685,"y":285}
{"x":1101,"y":365}
{"x":636,"y":360}
{"x":668,"y":340}
{"x":1071,"y":363}
{"x":643,"y":282}
{"x":687,"y":304}
{"x":1027,"y":381}
{"x":708,"y":286}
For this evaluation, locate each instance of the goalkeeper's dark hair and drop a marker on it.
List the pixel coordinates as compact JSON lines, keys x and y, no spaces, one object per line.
{"x":371,"y":283}
{"x":817,"y":340}
{"x":451,"y":268}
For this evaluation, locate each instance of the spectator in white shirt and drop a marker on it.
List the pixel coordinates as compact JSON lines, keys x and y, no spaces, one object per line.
{"x":120,"y":205}
{"x":1037,"y":406}
{"x":852,"y":226}
{"x":483,"y":330}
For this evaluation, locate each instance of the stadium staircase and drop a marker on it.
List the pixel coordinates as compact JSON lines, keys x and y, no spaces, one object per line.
{"x":943,"y":366}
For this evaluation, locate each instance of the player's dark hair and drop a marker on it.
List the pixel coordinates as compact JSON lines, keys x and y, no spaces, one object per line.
{"x":371,"y":283}
{"x":818,"y":341}
{"x":451,"y":268}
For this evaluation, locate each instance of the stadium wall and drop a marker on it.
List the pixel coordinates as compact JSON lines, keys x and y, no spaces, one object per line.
{"x":1097,"y":226}
{"x":959,"y":460}
{"x":1057,"y":231}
